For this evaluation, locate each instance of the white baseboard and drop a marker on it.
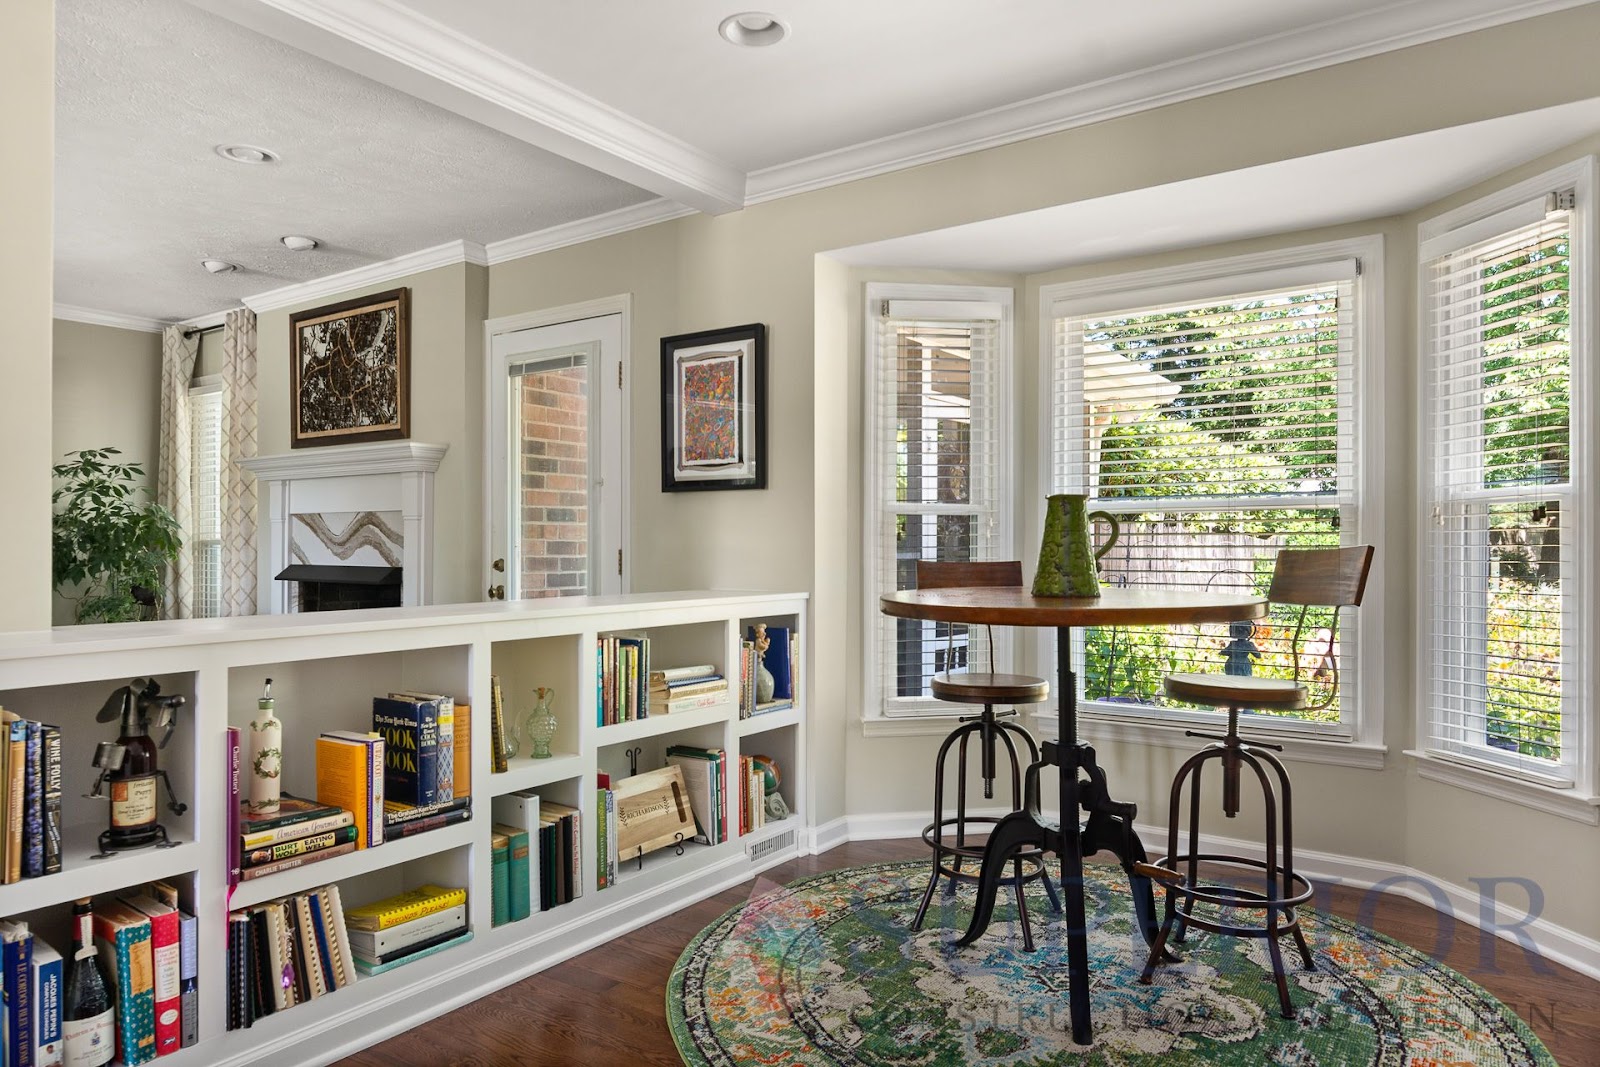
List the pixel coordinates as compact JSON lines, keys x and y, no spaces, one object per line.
{"x":1549,"y":940}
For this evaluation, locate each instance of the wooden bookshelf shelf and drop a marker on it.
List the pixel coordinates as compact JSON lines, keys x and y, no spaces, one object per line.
{"x":326,"y":669}
{"x":388,"y":854}
{"x":82,"y":876}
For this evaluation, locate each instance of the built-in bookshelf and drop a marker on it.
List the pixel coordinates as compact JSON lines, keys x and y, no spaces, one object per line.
{"x":326,"y":669}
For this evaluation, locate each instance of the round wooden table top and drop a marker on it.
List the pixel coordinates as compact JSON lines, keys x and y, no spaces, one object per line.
{"x":1013,"y":606}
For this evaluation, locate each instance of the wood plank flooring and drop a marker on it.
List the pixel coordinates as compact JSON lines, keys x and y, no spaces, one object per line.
{"x":606,"y":1007}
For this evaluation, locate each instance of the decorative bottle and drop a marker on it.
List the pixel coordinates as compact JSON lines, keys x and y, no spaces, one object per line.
{"x":88,"y":1019}
{"x":132,"y":786}
{"x":542,"y":724}
{"x":266,"y":756}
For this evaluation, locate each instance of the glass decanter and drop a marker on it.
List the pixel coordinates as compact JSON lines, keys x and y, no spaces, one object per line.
{"x":539,"y":728}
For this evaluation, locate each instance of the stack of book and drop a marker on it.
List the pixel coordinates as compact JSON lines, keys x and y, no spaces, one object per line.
{"x":30,"y":798}
{"x":287,"y":951}
{"x":407,"y":927}
{"x":560,"y":852}
{"x":705,"y":775}
{"x":514,"y":860}
{"x":752,"y":795}
{"x":679,"y":689}
{"x":299,"y":832}
{"x":621,"y":678}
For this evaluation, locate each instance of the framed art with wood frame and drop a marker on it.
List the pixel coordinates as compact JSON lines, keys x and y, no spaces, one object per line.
{"x":350,"y":371}
{"x":714,"y":409}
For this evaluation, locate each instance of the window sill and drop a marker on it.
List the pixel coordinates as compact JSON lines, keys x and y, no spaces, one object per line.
{"x":1095,"y":729}
{"x":1567,"y":803}
{"x":909,"y":726}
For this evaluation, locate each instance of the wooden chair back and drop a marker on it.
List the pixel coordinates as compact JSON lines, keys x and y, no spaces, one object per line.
{"x":1321,"y":577}
{"x":991,"y":574}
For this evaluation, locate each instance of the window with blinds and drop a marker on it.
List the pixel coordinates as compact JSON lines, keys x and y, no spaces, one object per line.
{"x":1503,"y":550}
{"x":205,"y":496}
{"x":1216,"y":422}
{"x":937,"y":489}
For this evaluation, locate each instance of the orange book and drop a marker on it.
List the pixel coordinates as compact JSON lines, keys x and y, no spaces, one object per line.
{"x":463,"y":750}
{"x":344,"y":779}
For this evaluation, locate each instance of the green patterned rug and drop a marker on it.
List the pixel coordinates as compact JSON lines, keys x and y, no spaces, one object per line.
{"x":826,"y":971}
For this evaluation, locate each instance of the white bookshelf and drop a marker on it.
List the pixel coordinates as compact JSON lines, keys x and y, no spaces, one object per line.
{"x":325,"y":669}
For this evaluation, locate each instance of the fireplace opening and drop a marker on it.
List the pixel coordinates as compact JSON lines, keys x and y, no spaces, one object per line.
{"x":326,"y":587}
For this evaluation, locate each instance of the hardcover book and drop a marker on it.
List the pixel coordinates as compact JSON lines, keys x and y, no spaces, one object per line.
{"x":346,"y":770}
{"x":122,"y":937}
{"x":48,"y":985}
{"x":499,"y":878}
{"x":33,"y":805}
{"x":410,"y":730}
{"x":50,"y":748}
{"x":165,"y":954}
{"x":16,"y":957}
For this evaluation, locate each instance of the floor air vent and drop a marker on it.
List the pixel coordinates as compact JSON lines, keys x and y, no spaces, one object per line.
{"x":767,"y":846}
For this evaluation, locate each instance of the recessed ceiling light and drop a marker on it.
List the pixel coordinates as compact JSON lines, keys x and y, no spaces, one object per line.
{"x":298,"y":244}
{"x":246,"y":153}
{"x":218,"y":266}
{"x":753,"y":29}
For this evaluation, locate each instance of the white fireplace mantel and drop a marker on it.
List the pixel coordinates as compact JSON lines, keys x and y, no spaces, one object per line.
{"x":385,"y":476}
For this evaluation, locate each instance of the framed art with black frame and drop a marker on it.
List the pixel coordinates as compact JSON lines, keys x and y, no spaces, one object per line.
{"x":350,"y":371}
{"x":714,"y":409}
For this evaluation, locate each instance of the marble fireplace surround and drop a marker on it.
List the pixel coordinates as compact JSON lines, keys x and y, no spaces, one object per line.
{"x":387,"y":476}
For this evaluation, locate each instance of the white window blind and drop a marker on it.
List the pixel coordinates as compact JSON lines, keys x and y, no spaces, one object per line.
{"x":939,"y":491}
{"x":1216,"y":422}
{"x":205,"y":495}
{"x":1503,"y":551}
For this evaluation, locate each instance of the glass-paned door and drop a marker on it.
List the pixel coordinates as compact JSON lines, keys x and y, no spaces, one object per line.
{"x":556,"y":459}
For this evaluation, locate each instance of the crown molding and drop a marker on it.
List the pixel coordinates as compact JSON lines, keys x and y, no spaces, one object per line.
{"x":115,"y":319}
{"x":1341,"y":40}
{"x":445,"y":255}
{"x":393,"y":44}
{"x":580,"y":230}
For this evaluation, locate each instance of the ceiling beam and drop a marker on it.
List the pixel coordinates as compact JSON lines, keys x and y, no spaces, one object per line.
{"x":392,"y":44}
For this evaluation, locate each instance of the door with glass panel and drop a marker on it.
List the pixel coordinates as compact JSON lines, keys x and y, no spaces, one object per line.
{"x":555,"y":457}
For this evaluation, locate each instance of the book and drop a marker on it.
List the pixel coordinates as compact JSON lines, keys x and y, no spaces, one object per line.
{"x":333,"y":913}
{"x":498,"y":764}
{"x":499,"y":878}
{"x":675,"y":674}
{"x":445,"y":715}
{"x":49,"y":986}
{"x":234,"y":823}
{"x":436,"y":821}
{"x":603,"y":803}
{"x":700,"y":768}
{"x":308,"y":948}
{"x":319,"y":921}
{"x":16,"y":772}
{"x":711,"y":682}
{"x":189,"y":977}
{"x":520,"y":812}
{"x":420,"y":948}
{"x":346,"y":772}
{"x":239,"y":1016}
{"x":518,"y":901}
{"x":396,"y":813}
{"x":463,"y":751}
{"x":292,"y":811}
{"x":250,"y":874}
{"x":410,"y":730}
{"x":122,"y":937}
{"x":776,"y":660}
{"x":567,"y":823}
{"x":300,"y":846}
{"x":33,"y":804}
{"x":403,"y":907}
{"x":16,"y":977}
{"x":50,"y":749}
{"x":372,"y":945}
{"x":378,"y":968}
{"x":164,"y":953}
{"x":310,"y":828}
{"x":263,"y":998}
{"x":698,"y":702}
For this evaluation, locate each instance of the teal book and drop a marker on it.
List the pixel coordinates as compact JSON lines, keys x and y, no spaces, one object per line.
{"x":516,"y":867}
{"x":122,"y":937}
{"x":499,"y":879}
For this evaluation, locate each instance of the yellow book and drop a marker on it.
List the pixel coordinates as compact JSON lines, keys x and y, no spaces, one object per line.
{"x":463,"y":750}
{"x":344,"y":774}
{"x":403,"y":907}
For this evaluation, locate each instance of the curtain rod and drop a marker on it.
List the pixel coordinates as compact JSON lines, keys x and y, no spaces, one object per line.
{"x":200,"y":329}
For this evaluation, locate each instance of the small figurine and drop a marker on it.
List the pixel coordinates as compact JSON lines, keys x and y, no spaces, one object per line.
{"x":1241,"y":651}
{"x":127,"y":766}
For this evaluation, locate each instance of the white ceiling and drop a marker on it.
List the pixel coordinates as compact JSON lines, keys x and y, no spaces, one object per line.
{"x":1353,"y":184}
{"x":145,"y":89}
{"x":409,"y":123}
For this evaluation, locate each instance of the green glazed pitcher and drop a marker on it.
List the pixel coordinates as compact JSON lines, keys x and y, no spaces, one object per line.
{"x":1067,"y":556}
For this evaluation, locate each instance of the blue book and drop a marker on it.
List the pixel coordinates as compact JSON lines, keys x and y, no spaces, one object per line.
{"x":48,"y":986}
{"x":410,"y":730}
{"x":33,"y":805}
{"x":776,"y":661}
{"x":189,"y":978}
{"x":16,"y":971}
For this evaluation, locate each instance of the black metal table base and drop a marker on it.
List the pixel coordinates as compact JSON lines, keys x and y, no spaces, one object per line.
{"x":1108,"y":828}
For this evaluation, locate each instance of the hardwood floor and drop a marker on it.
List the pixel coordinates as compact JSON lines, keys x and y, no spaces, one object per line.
{"x":606,"y":1007}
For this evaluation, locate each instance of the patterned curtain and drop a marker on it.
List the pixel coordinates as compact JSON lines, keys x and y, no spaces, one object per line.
{"x":172,"y":465}
{"x":238,"y":442}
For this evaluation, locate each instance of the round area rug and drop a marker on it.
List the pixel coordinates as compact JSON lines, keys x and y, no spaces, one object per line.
{"x":827,"y":971}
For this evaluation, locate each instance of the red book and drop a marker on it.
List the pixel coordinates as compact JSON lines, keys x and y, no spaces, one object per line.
{"x":165,"y":950}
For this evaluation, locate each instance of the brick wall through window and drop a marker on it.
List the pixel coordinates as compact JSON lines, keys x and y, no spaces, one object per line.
{"x":554,"y":457}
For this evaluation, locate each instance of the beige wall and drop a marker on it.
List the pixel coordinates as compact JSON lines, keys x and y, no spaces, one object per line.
{"x":106,"y":391}
{"x":27,"y":151}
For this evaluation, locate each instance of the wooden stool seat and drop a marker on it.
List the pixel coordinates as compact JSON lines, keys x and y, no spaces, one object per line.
{"x":989,"y":688}
{"x":1229,"y":690}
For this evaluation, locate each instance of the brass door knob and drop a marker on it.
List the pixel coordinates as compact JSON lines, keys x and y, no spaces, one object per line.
{"x":497,"y":592}
{"x":499,"y":566}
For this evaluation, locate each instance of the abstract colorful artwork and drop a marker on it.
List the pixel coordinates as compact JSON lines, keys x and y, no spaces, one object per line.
{"x":713,"y":409}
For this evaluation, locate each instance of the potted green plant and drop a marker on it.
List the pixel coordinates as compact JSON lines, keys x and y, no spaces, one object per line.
{"x":108,"y":549}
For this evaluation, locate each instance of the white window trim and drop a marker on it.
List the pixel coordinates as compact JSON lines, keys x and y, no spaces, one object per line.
{"x":874,"y":721}
{"x":1361,"y":742}
{"x":1581,"y":799}
{"x":206,"y":385}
